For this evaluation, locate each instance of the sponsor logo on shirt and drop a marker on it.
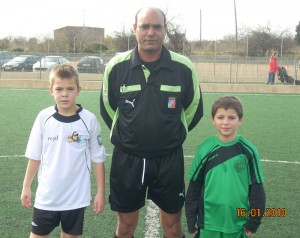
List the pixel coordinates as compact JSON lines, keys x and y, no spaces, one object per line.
{"x":74,"y":137}
{"x":239,"y":166}
{"x":53,"y":138}
{"x":130,"y":102}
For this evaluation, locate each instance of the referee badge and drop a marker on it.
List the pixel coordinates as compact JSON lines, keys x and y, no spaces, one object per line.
{"x":171,"y":102}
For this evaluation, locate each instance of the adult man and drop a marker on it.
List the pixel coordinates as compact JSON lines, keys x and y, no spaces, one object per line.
{"x":150,"y":99}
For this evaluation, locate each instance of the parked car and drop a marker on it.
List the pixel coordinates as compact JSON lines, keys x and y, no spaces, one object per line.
{"x":21,"y":63}
{"x":48,"y":62}
{"x":90,"y":64}
{"x":5,"y":57}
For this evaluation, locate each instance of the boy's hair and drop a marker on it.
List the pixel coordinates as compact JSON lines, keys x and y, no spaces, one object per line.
{"x":227,"y":102}
{"x":63,"y":71}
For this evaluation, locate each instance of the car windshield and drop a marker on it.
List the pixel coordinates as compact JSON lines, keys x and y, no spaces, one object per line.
{"x":86,"y":60}
{"x":90,"y":60}
{"x":19,"y":59}
{"x":50,"y":59}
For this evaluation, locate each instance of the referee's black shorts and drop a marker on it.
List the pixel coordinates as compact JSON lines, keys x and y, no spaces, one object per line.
{"x":132,"y":177}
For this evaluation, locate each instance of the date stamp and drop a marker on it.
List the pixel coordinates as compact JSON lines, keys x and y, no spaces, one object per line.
{"x":257,"y":212}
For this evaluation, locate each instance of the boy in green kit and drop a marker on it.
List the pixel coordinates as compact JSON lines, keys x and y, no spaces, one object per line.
{"x":225,"y":178}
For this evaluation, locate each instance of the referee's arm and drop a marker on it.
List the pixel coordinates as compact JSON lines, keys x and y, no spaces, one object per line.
{"x":107,"y":99}
{"x":193,"y":105}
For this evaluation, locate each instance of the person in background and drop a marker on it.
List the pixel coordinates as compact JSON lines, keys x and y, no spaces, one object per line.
{"x":225,"y":196}
{"x":273,"y":68}
{"x":150,"y":99}
{"x":64,"y":139}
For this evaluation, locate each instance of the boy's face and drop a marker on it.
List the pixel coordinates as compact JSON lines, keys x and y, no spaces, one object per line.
{"x":226,"y":122}
{"x":65,"y":92}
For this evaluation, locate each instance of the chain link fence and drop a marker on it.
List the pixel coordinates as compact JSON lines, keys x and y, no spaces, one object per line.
{"x":210,"y":69}
{"x":237,"y":70}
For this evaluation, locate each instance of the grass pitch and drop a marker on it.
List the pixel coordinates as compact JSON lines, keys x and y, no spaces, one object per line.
{"x":271,"y":122}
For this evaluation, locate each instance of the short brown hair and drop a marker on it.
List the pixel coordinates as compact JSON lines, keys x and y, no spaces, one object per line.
{"x":63,"y":71}
{"x":227,"y":102}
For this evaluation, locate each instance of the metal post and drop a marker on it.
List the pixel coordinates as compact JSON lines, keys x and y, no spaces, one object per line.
{"x":200,"y":39}
{"x":296,"y":68}
{"x":236,"y":72}
{"x":74,"y":47}
{"x":48,"y":46}
{"x":281,"y":47}
{"x":215,"y":57}
{"x":247,"y":50}
{"x":230,"y":71}
{"x":41,"y":67}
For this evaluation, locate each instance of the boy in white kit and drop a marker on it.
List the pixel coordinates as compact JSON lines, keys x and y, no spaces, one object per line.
{"x":64,"y":140}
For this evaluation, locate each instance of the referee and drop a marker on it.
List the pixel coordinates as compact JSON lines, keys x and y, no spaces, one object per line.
{"x":150,"y":99}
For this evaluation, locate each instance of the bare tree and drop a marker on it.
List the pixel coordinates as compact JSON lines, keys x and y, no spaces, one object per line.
{"x":123,"y":40}
{"x":5,"y":43}
{"x":176,"y":37}
{"x":175,"y":41}
{"x":262,"y":41}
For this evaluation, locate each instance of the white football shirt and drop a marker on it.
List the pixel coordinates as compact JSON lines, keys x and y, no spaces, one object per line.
{"x":65,"y":146}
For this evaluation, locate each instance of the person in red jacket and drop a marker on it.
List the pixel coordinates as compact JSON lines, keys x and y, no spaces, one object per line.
{"x":273,"y":67}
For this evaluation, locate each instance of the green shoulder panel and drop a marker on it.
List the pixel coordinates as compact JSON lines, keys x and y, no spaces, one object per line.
{"x":206,"y":147}
{"x":105,"y":85}
{"x":256,"y":159}
{"x":189,"y":113}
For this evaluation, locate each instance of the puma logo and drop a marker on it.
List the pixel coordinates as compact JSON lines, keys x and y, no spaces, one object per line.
{"x":131,"y":103}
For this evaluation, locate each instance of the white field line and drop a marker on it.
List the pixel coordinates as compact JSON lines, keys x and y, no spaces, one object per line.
{"x":263,"y":160}
{"x":186,"y":156}
{"x":280,"y":161}
{"x":152,"y":212}
{"x":11,"y":156}
{"x":152,"y":220}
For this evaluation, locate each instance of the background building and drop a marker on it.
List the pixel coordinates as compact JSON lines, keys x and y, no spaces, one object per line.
{"x":77,"y":38}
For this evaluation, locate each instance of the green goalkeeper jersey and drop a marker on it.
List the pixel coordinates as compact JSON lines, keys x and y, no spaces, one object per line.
{"x":225,"y":172}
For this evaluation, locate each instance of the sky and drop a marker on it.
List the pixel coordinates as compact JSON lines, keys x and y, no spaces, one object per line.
{"x":37,"y":18}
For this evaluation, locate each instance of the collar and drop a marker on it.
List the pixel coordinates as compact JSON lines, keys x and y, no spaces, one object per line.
{"x":165,"y":58}
{"x":67,"y":119}
{"x":78,"y":110}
